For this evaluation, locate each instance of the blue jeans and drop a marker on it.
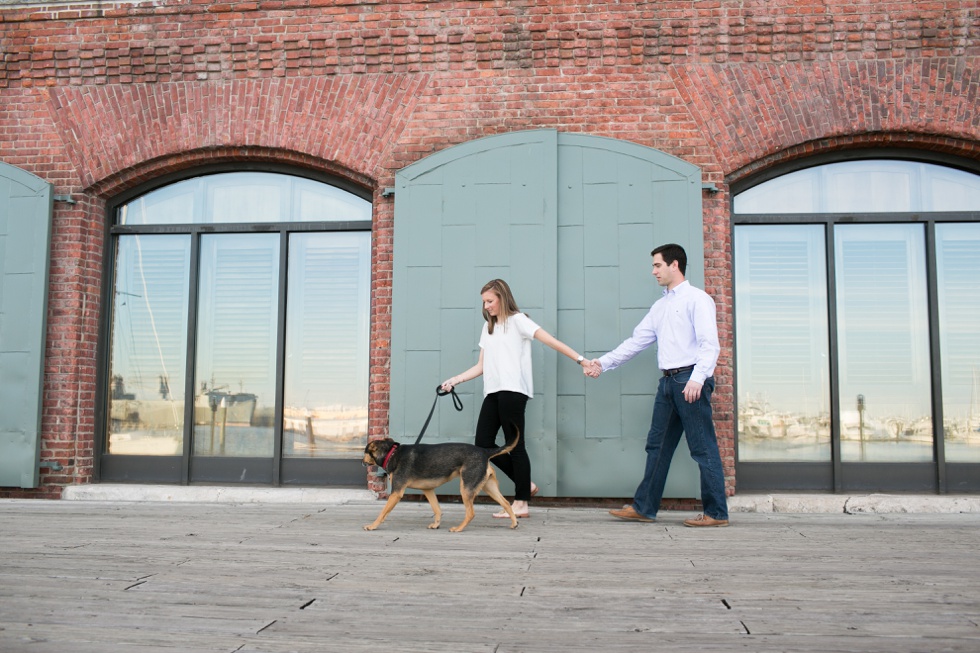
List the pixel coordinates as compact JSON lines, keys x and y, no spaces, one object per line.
{"x":672,"y":416}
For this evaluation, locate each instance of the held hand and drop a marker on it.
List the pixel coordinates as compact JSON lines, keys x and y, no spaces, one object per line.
{"x":448,"y":384}
{"x":592,"y":368}
{"x":692,"y":391}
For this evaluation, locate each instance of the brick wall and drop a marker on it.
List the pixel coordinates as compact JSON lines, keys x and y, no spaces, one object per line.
{"x":99,"y":97}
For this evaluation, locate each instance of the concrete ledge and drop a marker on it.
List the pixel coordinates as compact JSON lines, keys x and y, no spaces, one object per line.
{"x":215,"y":494}
{"x":801,"y":503}
{"x":841,"y":503}
{"x":889,"y":503}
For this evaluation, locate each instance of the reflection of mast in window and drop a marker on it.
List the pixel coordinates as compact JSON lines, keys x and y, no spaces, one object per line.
{"x":146,"y":404}
{"x":240,"y":321}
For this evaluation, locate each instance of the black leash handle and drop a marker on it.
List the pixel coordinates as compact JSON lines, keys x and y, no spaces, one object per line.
{"x":457,"y":404}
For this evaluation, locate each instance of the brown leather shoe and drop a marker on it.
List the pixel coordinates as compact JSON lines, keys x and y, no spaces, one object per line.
{"x":703,"y":520}
{"x":629,"y":513}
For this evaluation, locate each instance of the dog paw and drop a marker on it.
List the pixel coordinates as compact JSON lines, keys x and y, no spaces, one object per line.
{"x":370,"y":527}
{"x":434,"y":525}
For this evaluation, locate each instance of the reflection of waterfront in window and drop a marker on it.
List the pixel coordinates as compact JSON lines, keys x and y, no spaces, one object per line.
{"x":883,"y":343}
{"x":885,"y":374}
{"x":236,"y":345}
{"x":324,"y":432}
{"x":328,"y":304}
{"x":781,"y":345}
{"x":238,"y":336}
{"x":958,"y":264}
{"x":146,"y":395}
{"x":765,"y":434}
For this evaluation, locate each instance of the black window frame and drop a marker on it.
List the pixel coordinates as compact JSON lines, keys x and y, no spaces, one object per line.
{"x":938,"y":476}
{"x":177,"y":469}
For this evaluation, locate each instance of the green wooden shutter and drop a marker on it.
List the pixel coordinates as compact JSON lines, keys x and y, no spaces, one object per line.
{"x":617,"y":201}
{"x":569,"y":221}
{"x":478,"y":211}
{"x":25,"y":234}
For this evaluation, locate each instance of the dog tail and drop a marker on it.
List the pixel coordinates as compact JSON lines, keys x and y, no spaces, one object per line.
{"x":499,"y":451}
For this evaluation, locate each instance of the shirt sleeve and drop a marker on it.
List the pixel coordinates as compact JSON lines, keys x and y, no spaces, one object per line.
{"x":706,"y":334}
{"x":643,"y":336}
{"x":525,"y":325}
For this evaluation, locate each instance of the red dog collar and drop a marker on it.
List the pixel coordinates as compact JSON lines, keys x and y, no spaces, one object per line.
{"x":384,"y":465}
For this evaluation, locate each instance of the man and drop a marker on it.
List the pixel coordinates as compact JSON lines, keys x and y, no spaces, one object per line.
{"x":683,"y":324}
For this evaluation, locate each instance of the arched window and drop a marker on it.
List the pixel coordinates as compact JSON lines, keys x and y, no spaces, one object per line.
{"x":238,"y":347}
{"x":856,"y":319}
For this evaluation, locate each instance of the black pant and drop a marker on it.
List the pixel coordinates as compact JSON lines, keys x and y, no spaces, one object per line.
{"x":506,"y":409}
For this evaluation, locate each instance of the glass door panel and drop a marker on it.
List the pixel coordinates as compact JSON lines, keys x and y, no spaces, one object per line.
{"x":149,"y":346}
{"x":235,"y":371}
{"x":782,"y":344}
{"x":883,"y":336}
{"x":958,"y":267}
{"x":326,"y":373}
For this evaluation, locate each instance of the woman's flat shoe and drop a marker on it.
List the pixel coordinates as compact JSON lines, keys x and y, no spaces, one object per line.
{"x":504,"y":515}
{"x":534,"y":489}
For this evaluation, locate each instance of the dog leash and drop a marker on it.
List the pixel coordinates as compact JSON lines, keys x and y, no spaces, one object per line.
{"x":457,"y":404}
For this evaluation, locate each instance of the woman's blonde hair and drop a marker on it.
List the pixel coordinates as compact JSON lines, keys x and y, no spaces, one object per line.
{"x":508,"y":306}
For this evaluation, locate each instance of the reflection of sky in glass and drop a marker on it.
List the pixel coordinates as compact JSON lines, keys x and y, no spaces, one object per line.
{"x":327,"y":344}
{"x":237,"y":331}
{"x":881,"y":304}
{"x":883,"y":338}
{"x":872,"y":186}
{"x":150,"y":310}
{"x":238,"y":301}
{"x":328,"y":311}
{"x":781,"y":343}
{"x":958,"y":264}
{"x":237,"y":317}
{"x":243,"y":197}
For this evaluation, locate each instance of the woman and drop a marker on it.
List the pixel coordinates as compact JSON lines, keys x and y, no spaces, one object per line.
{"x":505,"y":363}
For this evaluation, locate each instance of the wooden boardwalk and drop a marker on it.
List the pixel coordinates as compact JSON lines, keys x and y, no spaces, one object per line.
{"x":91,"y":577}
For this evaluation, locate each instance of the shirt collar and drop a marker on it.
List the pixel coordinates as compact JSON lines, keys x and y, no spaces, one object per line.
{"x":679,"y":288}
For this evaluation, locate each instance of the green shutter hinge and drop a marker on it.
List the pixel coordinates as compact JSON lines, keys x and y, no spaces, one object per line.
{"x":53,"y":465}
{"x":64,"y":198}
{"x":388,"y":192}
{"x":710,"y":187}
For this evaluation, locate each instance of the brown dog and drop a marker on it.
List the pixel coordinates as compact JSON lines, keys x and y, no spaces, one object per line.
{"x":427,"y":466}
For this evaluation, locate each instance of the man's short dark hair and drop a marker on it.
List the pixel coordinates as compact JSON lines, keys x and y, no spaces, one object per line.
{"x":670,"y":253}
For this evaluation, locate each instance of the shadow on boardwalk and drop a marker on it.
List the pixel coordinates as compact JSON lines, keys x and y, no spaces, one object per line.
{"x":142,"y":577}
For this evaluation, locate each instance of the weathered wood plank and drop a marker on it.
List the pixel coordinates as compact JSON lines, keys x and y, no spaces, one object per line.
{"x":188,"y":577}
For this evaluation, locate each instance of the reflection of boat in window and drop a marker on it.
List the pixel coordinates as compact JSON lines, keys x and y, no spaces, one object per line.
{"x":219,"y":410}
{"x":235,"y":408}
{"x":128,"y":411}
{"x":148,"y":427}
